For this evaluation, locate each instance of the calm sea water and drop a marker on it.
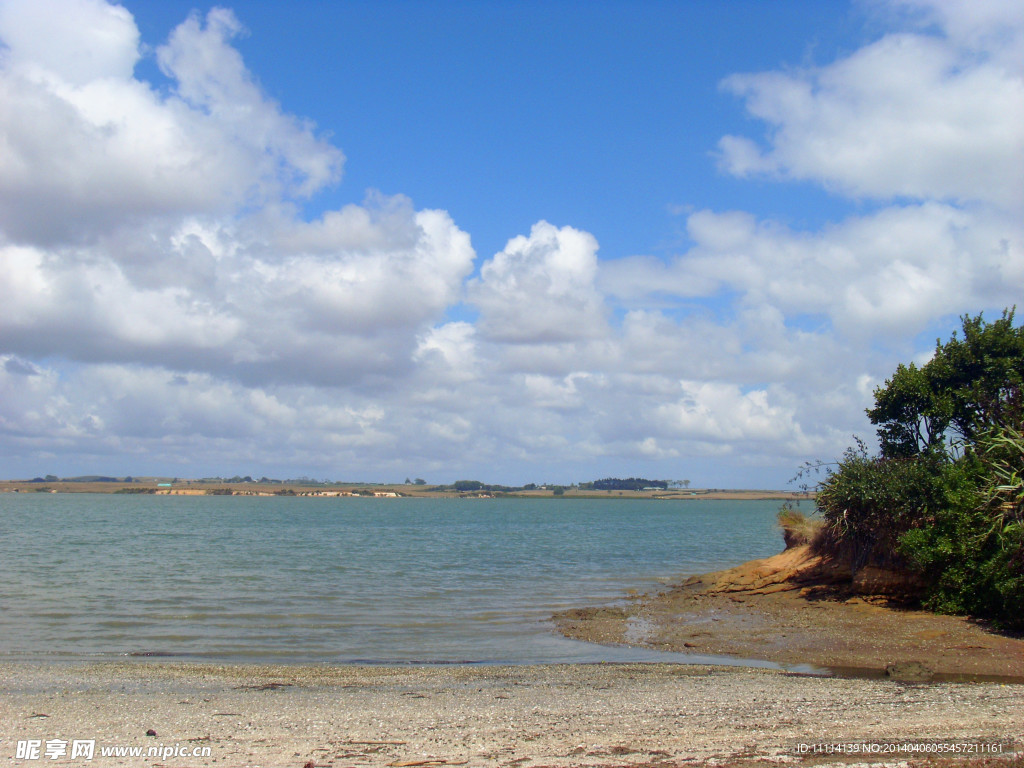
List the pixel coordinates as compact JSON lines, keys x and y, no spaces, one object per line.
{"x":343,"y":579}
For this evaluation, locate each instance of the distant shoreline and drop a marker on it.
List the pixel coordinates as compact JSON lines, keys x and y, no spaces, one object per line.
{"x":369,"y":490}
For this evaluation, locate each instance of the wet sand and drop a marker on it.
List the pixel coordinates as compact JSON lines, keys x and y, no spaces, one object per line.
{"x":559,"y":715}
{"x":790,"y":609}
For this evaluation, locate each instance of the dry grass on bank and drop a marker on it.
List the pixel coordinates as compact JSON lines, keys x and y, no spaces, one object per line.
{"x":799,"y":529}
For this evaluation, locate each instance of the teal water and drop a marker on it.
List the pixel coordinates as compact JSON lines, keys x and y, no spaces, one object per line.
{"x":344,"y":580}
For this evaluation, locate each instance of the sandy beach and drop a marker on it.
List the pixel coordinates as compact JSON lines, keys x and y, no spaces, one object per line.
{"x":559,"y":715}
{"x":922,"y":682}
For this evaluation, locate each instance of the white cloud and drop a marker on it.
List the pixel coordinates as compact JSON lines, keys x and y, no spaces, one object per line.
{"x":383,"y":223}
{"x":723,"y":413}
{"x":541,"y":288}
{"x":164,"y":298}
{"x":77,"y":41}
{"x":212,"y":79}
{"x":645,"y":279}
{"x":88,"y":148}
{"x":993,"y":29}
{"x":122,"y":215}
{"x":889,"y":272}
{"x":911,"y":115}
{"x":326,"y":318}
{"x":452,"y":348}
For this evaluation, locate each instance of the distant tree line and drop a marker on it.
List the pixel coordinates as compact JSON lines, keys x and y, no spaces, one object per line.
{"x":460,"y":486}
{"x":627,"y":484}
{"x":81,"y":479}
{"x":469,"y":486}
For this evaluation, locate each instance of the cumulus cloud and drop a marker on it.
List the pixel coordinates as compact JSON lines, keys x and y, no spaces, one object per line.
{"x":124,"y":214}
{"x":897,"y":268}
{"x":927,"y":121}
{"x":992,"y":29}
{"x":331,"y":319}
{"x":88,"y":147}
{"x":212,"y":79}
{"x":107,"y":410}
{"x":933,"y":113}
{"x":163,"y":297}
{"x":722,"y":412}
{"x":76,"y":40}
{"x":541,"y":288}
{"x":912,"y":115}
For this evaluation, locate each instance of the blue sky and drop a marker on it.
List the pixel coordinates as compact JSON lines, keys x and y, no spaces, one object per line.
{"x":600,"y":115}
{"x":519,"y":241}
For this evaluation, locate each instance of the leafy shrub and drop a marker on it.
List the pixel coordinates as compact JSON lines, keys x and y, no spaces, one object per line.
{"x":1001,"y":451}
{"x":946,"y":496}
{"x":868,"y":503}
{"x":970,"y":568}
{"x":948,"y":546}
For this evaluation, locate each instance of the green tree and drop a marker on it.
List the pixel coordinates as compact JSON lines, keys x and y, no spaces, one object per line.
{"x":908,"y":416}
{"x":946,"y":497}
{"x":971,"y":385}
